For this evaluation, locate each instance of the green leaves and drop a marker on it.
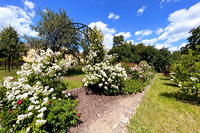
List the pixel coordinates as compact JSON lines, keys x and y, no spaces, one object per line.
{"x":62,"y":114}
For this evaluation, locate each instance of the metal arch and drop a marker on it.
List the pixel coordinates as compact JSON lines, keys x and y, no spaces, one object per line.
{"x":82,"y":28}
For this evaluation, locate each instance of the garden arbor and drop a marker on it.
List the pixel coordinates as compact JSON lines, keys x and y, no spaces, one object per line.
{"x":74,"y":36}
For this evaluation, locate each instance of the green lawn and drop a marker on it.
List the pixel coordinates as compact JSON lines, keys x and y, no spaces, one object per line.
{"x":6,"y":73}
{"x":74,"y":81}
{"x":160,"y":112}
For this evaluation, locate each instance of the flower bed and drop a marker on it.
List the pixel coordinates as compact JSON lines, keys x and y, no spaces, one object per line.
{"x":34,"y":102}
{"x":111,"y":79}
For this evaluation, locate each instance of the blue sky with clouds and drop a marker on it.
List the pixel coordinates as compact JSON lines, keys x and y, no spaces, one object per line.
{"x":162,"y":23}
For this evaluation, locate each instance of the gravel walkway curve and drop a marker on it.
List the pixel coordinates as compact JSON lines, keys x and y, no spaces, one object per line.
{"x":105,"y":114}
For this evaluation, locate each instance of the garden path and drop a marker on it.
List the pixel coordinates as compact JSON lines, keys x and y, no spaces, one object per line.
{"x":113,"y":116}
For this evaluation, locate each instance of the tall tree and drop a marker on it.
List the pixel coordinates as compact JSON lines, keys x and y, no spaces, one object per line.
{"x":118,"y":40}
{"x":10,"y":46}
{"x":51,"y":22}
{"x":194,"y":41}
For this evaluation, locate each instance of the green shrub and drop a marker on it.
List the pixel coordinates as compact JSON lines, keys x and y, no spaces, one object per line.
{"x":186,"y":73}
{"x":62,"y":114}
{"x":35,"y":100}
{"x":133,"y":86}
{"x":75,"y":70}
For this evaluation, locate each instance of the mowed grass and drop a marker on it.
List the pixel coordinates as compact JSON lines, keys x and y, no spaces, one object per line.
{"x":161,"y":112}
{"x":6,"y":73}
{"x":74,"y":81}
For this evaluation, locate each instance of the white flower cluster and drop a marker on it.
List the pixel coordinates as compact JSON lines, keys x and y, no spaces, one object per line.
{"x":105,"y":75}
{"x":28,"y":87}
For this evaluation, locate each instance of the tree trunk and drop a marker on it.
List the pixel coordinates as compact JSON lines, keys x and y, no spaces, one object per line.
{"x":5,"y":64}
{"x":12,"y":64}
{"x":9,"y":63}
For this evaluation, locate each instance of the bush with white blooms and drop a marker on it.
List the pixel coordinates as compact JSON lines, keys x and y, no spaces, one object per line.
{"x":104,"y":76}
{"x":34,"y":101}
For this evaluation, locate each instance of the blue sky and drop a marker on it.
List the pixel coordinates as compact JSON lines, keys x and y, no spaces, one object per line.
{"x":162,"y":23}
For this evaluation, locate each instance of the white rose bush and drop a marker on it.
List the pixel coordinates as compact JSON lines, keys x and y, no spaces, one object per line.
{"x":104,"y":77}
{"x":34,"y":101}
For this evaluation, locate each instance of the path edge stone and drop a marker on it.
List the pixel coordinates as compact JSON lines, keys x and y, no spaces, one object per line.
{"x":121,"y":127}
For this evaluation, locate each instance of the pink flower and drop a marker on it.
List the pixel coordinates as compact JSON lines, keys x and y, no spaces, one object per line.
{"x":20,"y":101}
{"x":79,"y":114}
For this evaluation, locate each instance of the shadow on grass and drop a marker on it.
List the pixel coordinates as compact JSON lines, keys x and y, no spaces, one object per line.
{"x":171,"y":84}
{"x":164,"y":78}
{"x":190,"y":99}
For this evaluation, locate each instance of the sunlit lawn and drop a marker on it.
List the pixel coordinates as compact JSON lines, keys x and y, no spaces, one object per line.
{"x":160,"y":112}
{"x":6,"y":73}
{"x":74,"y":81}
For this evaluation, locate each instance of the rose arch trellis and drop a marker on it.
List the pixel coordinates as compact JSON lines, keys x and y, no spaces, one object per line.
{"x":79,"y":29}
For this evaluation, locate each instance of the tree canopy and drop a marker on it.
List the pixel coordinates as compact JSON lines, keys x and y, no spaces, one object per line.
{"x":10,"y":45}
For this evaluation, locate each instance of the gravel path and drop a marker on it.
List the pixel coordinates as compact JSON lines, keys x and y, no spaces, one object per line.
{"x":105,"y":114}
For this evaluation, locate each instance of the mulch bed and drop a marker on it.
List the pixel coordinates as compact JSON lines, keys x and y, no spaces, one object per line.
{"x":91,"y":106}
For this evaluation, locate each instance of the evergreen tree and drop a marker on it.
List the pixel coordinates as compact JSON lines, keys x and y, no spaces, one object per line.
{"x":10,"y":46}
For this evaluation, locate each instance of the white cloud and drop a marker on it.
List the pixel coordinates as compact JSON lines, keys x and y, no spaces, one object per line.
{"x":182,"y":45}
{"x":180,"y":23}
{"x":159,"y":31}
{"x":113,"y":16}
{"x":173,"y":48}
{"x":141,"y":10}
{"x":143,"y":33}
{"x":19,"y":18}
{"x":163,"y":45}
{"x":125,"y":34}
{"x":131,"y":41}
{"x":29,"y":4}
{"x":166,"y":1}
{"x":109,"y":33}
{"x":149,"y":41}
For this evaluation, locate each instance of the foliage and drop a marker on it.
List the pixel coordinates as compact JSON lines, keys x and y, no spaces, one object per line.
{"x":118,"y":40}
{"x":186,"y":73}
{"x":124,"y":53}
{"x":34,"y":43}
{"x":139,"y":76}
{"x":74,"y":70}
{"x":50,"y":22}
{"x":62,"y":114}
{"x":159,"y":59}
{"x":10,"y":46}
{"x":31,"y":100}
{"x":143,"y":72}
{"x":194,"y":41}
{"x":133,"y":86}
{"x":96,"y":43}
{"x":96,"y":51}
